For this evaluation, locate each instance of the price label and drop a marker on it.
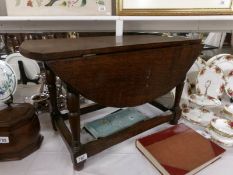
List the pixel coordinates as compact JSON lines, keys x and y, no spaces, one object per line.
{"x":4,"y":140}
{"x":81,"y":158}
{"x":102,"y":8}
{"x":222,"y":2}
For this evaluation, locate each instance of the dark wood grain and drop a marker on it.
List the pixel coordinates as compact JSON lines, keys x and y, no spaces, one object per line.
{"x":51,"y":80}
{"x":53,"y":49}
{"x":22,"y":126}
{"x":74,"y":120}
{"x":110,"y":71}
{"x":129,"y":78}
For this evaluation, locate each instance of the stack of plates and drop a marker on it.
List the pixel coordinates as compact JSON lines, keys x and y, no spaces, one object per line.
{"x":221,"y":131}
{"x":203,"y":89}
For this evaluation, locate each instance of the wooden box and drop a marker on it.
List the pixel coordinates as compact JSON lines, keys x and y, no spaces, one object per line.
{"x":19,"y":131}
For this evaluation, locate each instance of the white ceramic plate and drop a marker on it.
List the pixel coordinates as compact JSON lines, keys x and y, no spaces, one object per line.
{"x":219,"y":139}
{"x":199,"y":116}
{"x":229,"y":83}
{"x":31,"y":67}
{"x":8,"y":81}
{"x":225,"y":63}
{"x":216,"y":57}
{"x":193,"y":71}
{"x":222,"y":127}
{"x":203,"y":100}
{"x":229,"y":109}
{"x":211,"y":82}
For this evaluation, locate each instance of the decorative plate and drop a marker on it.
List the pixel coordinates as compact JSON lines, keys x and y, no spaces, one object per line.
{"x":203,"y":100}
{"x":223,"y":127}
{"x":229,"y":84}
{"x":193,"y":71}
{"x":210,"y":82}
{"x":8,"y":81}
{"x":225,"y":63}
{"x":31,"y":67}
{"x":219,"y":139}
{"x":216,"y":57}
{"x":200,"y":116}
{"x":184,"y":101}
{"x":228,"y":109}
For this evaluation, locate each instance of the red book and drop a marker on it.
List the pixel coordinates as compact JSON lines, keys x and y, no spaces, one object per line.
{"x":179,"y":150}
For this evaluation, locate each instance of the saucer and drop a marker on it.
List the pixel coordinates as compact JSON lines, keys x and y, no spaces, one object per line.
{"x":222,"y":127}
{"x":198,"y":116}
{"x":228,"y":109}
{"x":203,"y":100}
{"x":219,"y":139}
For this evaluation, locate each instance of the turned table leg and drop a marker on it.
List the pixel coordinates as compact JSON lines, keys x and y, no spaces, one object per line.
{"x":51,"y":81}
{"x":176,"y":108}
{"x":74,"y":120}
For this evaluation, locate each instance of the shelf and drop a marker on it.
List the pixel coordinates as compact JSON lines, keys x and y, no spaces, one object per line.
{"x":116,"y":23}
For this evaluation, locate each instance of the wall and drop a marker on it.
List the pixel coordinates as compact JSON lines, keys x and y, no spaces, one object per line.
{"x":2,"y":8}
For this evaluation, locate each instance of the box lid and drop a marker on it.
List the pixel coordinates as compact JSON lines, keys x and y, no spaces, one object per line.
{"x":16,"y":114}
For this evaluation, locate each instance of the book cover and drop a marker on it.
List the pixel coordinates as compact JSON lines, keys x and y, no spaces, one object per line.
{"x":114,"y":122}
{"x":179,"y":150}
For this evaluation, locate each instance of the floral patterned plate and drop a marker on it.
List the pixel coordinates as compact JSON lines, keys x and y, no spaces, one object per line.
{"x":229,"y":84}
{"x":8,"y":81}
{"x":219,"y":139}
{"x":216,"y":57}
{"x":228,"y":109}
{"x":200,"y":116}
{"x":222,"y":127}
{"x":193,"y":71}
{"x":187,"y":91}
{"x":203,"y":100}
{"x":211,"y":82}
{"x":225,"y":63}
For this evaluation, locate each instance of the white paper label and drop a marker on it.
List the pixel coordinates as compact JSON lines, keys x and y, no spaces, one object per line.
{"x":222,"y":2}
{"x":102,"y":8}
{"x":4,"y":140}
{"x":81,"y":158}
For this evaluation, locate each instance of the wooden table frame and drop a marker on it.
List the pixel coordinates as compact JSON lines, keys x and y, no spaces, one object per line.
{"x":118,"y":61}
{"x":72,"y":139}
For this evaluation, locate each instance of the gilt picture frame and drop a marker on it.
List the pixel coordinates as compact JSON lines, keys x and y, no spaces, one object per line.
{"x":173,"y":7}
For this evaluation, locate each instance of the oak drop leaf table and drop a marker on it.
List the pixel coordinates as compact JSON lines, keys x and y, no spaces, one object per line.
{"x":113,"y":72}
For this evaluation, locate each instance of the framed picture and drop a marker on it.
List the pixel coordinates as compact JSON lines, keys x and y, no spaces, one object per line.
{"x":59,"y":7}
{"x":173,"y":7}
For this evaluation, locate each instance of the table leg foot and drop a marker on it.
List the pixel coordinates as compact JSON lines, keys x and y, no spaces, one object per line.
{"x":176,"y":108}
{"x":177,"y":114}
{"x":78,"y":166}
{"x":53,"y":122}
